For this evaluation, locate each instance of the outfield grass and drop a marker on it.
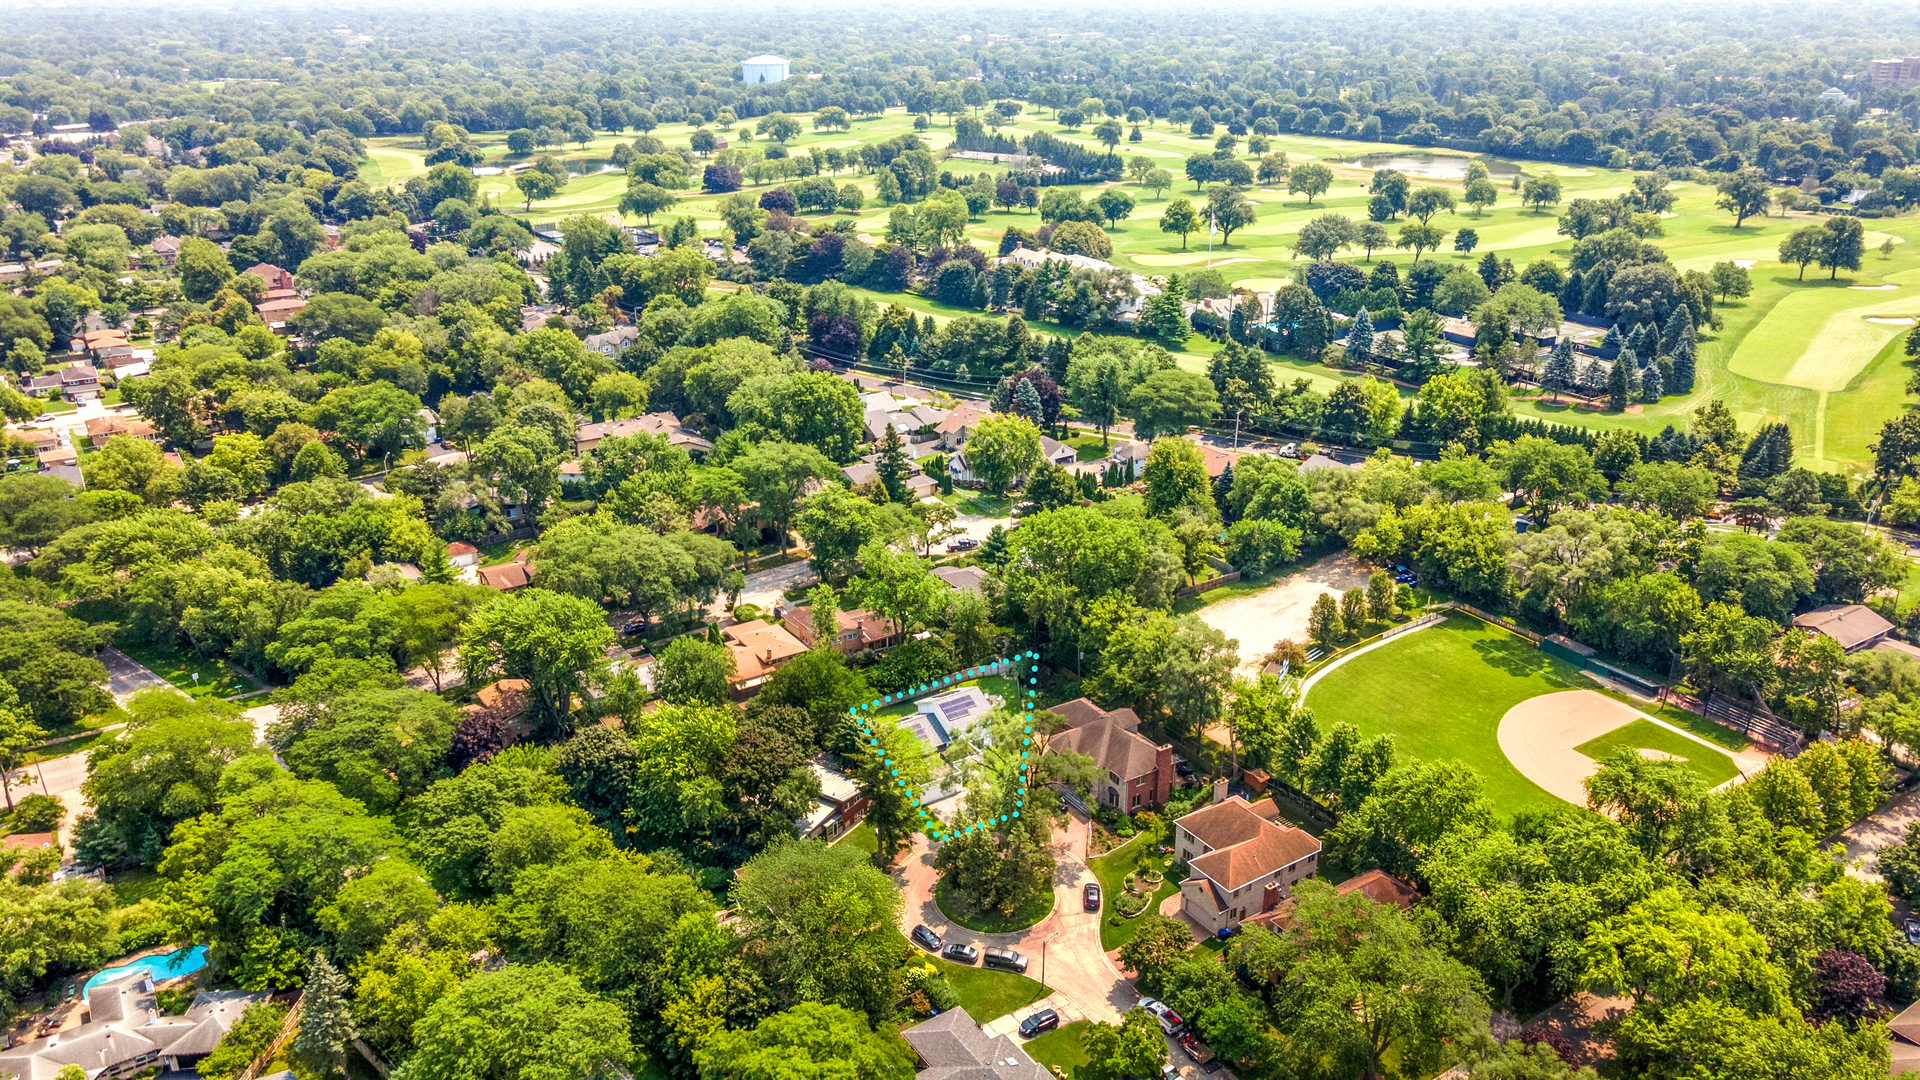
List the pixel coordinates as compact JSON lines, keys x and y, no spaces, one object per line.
{"x":987,"y":994}
{"x":1710,"y":765}
{"x":1065,"y":1047}
{"x":1816,"y":364}
{"x":1441,"y":692}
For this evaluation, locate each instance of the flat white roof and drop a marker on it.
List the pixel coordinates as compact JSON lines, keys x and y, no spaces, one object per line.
{"x":764,"y":60}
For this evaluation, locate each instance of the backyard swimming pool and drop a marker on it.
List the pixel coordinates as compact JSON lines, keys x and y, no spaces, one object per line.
{"x":158,"y":967}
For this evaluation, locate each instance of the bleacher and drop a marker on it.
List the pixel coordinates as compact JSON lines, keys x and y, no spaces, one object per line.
{"x":1755,"y":723}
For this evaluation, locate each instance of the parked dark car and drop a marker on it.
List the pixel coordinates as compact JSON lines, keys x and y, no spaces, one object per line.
{"x":960,"y":953}
{"x":964,"y":543}
{"x":1913,"y":932}
{"x":1090,"y":896}
{"x":634,"y":626}
{"x":926,"y":939}
{"x":1006,"y":960}
{"x":1183,"y":767}
{"x":1044,"y":1020}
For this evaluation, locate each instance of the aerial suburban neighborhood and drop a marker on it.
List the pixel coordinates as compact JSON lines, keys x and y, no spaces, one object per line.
{"x":684,"y":542}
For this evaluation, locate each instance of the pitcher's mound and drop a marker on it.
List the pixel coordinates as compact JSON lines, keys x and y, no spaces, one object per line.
{"x":1539,"y":735}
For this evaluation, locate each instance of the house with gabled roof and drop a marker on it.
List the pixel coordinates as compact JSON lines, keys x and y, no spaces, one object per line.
{"x":1243,"y":859}
{"x":123,"y":1033}
{"x":951,"y":1046}
{"x":1139,"y":770}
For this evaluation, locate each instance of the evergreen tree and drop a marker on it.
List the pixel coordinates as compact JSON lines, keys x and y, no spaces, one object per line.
{"x":326,"y":1024}
{"x":1573,"y":295}
{"x":1682,"y":353}
{"x":1595,"y":302}
{"x":1619,"y":383}
{"x":893,"y":465}
{"x":1650,"y":385}
{"x":1681,"y":320}
{"x":1559,"y":373}
{"x":1636,"y":341}
{"x":1002,"y":285}
{"x":1360,"y":339}
{"x":993,"y":551}
{"x":1314,"y":332}
{"x":1222,"y":489}
{"x":1026,"y":402}
{"x":981,"y":295}
{"x":896,"y":360}
{"x":1767,"y":456}
{"x":1490,"y":271}
{"x":1592,"y":379}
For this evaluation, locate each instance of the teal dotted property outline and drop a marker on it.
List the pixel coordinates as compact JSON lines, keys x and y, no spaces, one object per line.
{"x":930,"y":824}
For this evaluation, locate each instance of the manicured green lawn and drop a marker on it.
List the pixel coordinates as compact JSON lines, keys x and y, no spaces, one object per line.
{"x":216,"y":677}
{"x":1064,"y":1046}
{"x":1691,"y":723}
{"x":861,"y":836}
{"x":1112,"y":870}
{"x":1802,"y":352}
{"x":1712,"y":766}
{"x":132,"y":886}
{"x":501,"y":551}
{"x":993,"y":922}
{"x":1441,"y":693}
{"x":979,"y":502}
{"x":987,"y":994}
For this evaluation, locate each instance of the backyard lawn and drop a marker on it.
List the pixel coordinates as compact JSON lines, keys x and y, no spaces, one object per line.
{"x":195,"y":676}
{"x":1065,"y":1047}
{"x":989,"y":995}
{"x":1712,"y":766}
{"x":861,"y":836}
{"x":1112,"y":870}
{"x":1441,"y":693}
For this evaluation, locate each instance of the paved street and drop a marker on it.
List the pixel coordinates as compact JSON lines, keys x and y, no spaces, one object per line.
{"x":125,"y":677}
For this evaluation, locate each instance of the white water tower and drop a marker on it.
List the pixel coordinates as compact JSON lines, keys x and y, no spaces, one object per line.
{"x":763,"y":69}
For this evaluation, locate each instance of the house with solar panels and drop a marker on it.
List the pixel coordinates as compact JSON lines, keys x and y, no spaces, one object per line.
{"x":943,"y":719}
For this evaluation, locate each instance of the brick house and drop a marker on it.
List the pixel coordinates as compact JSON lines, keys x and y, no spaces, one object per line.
{"x":1139,"y":772}
{"x":1242,"y":859}
{"x":858,"y":630}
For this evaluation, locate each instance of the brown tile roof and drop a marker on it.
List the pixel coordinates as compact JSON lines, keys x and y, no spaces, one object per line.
{"x":1082,"y":711}
{"x":759,"y":647}
{"x":1852,"y":625}
{"x":1111,"y":746}
{"x":460,"y":547}
{"x":664,"y":424}
{"x":1248,"y":841}
{"x":962,"y":416}
{"x":1376,"y":885}
{"x":506,"y":576}
{"x":503,"y":700}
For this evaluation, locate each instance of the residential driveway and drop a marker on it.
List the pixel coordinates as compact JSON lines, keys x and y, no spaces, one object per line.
{"x":766,"y":588}
{"x":126,"y":678}
{"x":1262,"y":620}
{"x":1063,"y":949}
{"x":1883,"y":828}
{"x":979,"y":525}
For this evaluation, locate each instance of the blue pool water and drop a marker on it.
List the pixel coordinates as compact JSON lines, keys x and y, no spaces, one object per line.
{"x":162,"y":966}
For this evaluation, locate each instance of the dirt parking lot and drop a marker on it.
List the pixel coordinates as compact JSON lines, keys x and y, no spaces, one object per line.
{"x":1279,"y":611}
